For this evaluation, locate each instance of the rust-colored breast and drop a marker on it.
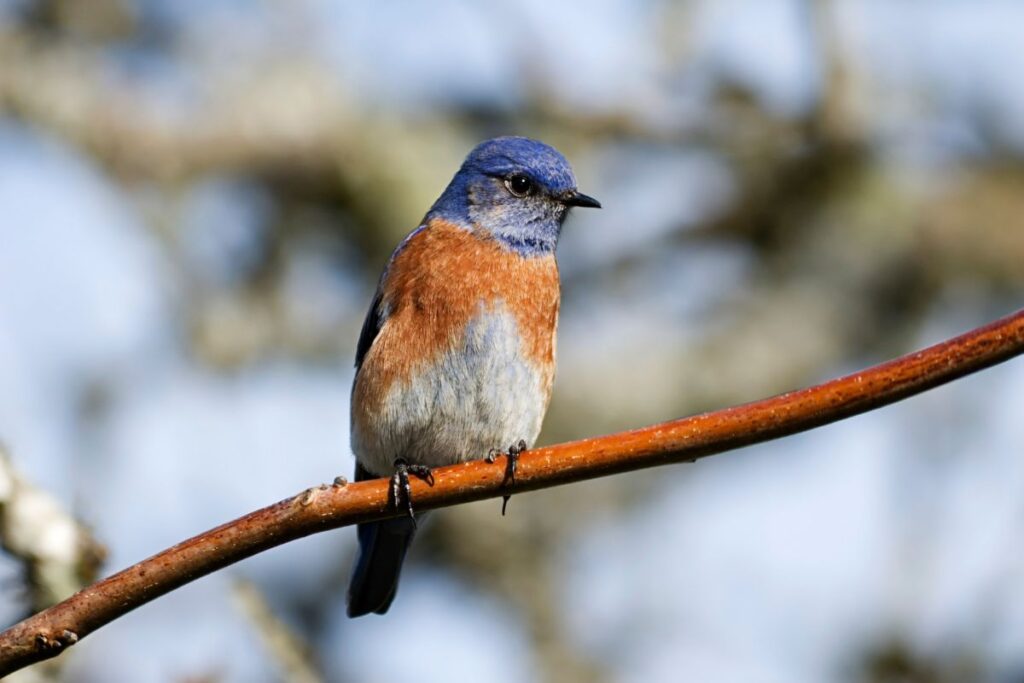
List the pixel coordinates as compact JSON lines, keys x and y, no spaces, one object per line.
{"x":441,"y":279}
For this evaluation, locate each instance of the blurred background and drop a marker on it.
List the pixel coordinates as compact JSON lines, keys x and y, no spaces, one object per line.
{"x":196,"y":199}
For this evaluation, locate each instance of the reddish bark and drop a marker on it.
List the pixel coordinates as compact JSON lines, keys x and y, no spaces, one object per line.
{"x":48,"y":633}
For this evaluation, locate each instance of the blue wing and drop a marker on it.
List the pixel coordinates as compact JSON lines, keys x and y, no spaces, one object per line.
{"x":371,"y":327}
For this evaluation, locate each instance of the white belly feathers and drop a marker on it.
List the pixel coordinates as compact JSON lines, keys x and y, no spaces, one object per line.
{"x":482,"y":394}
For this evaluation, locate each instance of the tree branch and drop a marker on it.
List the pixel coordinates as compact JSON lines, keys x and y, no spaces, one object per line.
{"x":58,"y":554}
{"x":48,"y":633}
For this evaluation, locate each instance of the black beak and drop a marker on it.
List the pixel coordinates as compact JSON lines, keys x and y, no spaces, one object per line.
{"x":575,"y":198}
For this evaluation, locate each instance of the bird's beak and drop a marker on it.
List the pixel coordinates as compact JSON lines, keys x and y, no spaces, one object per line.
{"x":575,"y":198}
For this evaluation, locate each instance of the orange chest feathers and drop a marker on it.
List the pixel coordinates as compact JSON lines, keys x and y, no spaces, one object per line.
{"x":444,"y":278}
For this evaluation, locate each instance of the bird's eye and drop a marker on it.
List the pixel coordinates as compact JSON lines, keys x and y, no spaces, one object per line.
{"x":518,"y":184}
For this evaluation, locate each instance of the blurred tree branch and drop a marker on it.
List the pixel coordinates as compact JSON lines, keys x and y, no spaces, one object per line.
{"x":318,"y":149}
{"x":50,"y":632}
{"x":291,"y":655}
{"x":58,"y":553}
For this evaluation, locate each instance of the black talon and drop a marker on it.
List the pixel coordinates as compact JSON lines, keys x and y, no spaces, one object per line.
{"x":400,"y":483}
{"x":513,"y":458}
{"x":423,"y":472}
{"x":514,"y":451}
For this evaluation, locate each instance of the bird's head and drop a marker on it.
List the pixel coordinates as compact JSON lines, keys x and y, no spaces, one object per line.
{"x":517,"y":189}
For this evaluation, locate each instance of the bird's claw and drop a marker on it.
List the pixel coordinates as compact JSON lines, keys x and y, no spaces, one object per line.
{"x":400,"y":488}
{"x":513,"y":458}
{"x":514,"y":451}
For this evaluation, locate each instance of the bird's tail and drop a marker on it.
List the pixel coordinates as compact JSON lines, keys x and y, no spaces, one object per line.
{"x":382,"y":548}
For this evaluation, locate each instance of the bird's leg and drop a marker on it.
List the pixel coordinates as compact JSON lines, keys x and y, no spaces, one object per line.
{"x":400,"y":483}
{"x":514,"y":451}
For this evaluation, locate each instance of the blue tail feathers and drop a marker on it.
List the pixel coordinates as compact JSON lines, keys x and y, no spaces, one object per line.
{"x":382,"y":548}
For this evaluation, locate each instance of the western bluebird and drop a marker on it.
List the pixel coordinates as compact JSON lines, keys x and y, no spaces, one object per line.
{"x":457,"y":354}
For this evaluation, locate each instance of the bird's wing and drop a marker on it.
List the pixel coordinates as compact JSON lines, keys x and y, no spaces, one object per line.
{"x":371,"y":327}
{"x":375,"y":317}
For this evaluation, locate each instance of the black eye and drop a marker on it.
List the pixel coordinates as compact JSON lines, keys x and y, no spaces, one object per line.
{"x":520,"y":185}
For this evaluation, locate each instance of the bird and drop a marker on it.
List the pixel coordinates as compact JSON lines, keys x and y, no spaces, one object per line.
{"x":456,"y":357}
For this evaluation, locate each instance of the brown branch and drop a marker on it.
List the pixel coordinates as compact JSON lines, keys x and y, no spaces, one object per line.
{"x":48,"y":633}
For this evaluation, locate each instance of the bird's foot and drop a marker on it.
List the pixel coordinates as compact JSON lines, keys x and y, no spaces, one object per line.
{"x":400,"y":488}
{"x":514,"y":451}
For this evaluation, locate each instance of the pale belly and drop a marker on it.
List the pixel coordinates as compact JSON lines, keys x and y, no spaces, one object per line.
{"x":479,"y":396}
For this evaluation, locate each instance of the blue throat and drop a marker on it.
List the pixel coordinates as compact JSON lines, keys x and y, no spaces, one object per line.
{"x":528,"y":245}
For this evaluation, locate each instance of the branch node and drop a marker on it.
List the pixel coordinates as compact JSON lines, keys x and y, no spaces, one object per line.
{"x":307,"y":497}
{"x":45,"y":643}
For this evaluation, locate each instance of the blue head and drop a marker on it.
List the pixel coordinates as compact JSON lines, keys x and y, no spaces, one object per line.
{"x":518,"y":190}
